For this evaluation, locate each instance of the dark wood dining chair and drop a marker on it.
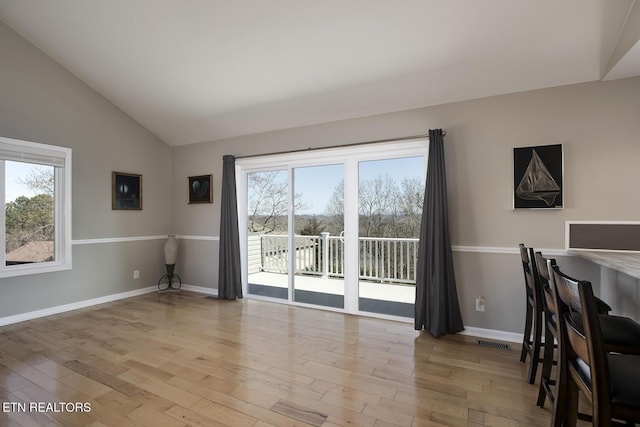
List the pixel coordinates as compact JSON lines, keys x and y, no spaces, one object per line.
{"x":610,"y":381}
{"x":532,"y":337}
{"x":547,"y":384}
{"x":550,"y":330}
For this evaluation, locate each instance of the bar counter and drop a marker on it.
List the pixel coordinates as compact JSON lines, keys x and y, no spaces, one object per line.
{"x":624,"y":262}
{"x":619,"y":279}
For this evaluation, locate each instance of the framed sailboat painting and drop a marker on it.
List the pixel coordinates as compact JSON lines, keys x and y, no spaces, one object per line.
{"x":537,"y":177}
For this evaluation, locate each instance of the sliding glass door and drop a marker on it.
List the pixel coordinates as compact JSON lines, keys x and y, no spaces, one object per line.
{"x":318,"y":244}
{"x":390,"y":194}
{"x":267,"y":225}
{"x":334,"y":228}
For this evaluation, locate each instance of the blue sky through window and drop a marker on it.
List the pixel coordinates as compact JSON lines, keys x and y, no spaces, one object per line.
{"x":316,"y":184}
{"x":14,"y":172}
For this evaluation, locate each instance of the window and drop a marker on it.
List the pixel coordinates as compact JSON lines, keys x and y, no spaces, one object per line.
{"x":36,"y":225}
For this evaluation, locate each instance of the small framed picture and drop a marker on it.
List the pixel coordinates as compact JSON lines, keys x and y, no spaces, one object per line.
{"x":126,"y":191}
{"x":199,"y":189}
{"x":537,"y":177}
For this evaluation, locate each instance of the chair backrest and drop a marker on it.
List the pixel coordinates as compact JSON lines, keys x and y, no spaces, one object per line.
{"x":530,"y":275}
{"x":598,"y":362}
{"x":585,"y":345}
{"x":546,"y":282}
{"x":543,"y":270}
{"x":568,"y":296}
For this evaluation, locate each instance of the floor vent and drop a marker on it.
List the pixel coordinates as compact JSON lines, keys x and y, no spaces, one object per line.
{"x":493,"y":344}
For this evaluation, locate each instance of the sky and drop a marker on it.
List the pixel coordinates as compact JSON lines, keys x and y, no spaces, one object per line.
{"x":13,"y":171}
{"x":317,"y":183}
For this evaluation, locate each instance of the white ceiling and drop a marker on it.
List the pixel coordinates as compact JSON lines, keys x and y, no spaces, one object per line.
{"x":201,"y":70}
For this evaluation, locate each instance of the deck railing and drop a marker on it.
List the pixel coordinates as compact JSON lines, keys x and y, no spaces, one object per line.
{"x":385,"y":260}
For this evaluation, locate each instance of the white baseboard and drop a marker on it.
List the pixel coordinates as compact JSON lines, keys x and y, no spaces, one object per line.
{"x":492,"y":334}
{"x":23,"y":317}
{"x":200,"y":289}
{"x":8,"y":320}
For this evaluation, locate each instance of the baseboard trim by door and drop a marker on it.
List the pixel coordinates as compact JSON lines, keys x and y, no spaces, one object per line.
{"x":200,"y":290}
{"x":492,"y":334}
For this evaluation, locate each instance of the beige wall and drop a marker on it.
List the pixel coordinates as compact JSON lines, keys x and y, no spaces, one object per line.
{"x":597,"y":123}
{"x":42,"y":102}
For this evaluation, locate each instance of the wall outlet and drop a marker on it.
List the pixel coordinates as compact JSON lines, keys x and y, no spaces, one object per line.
{"x":136,"y":274}
{"x":480,"y":304}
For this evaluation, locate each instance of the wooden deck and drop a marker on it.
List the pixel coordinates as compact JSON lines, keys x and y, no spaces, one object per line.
{"x":180,"y":358}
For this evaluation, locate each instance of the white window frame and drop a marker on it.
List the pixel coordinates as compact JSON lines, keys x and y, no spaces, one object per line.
{"x":49,"y":155}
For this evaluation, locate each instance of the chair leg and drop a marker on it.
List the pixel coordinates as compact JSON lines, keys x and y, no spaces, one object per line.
{"x":559,"y":402}
{"x":560,"y":398}
{"x":547,"y":365}
{"x":536,"y":344}
{"x":571,"y":404}
{"x":527,"y":333}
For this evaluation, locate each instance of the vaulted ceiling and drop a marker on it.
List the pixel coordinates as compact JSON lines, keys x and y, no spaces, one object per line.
{"x":202,"y":70}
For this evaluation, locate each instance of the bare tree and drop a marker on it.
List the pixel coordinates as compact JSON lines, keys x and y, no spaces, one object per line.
{"x":409,"y":203}
{"x":313,"y":227}
{"x":335,"y":210}
{"x":268,"y":202}
{"x":41,"y":180}
{"x":386,"y":209}
{"x":377,"y":202}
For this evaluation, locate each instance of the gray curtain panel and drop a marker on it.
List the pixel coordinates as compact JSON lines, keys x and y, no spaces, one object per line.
{"x":436,"y":309}
{"x":229,"y":274}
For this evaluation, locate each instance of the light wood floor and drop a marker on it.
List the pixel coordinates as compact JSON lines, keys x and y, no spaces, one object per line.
{"x":178,"y":359}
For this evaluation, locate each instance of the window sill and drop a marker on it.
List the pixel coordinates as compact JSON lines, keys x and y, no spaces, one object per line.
{"x":28,"y":269}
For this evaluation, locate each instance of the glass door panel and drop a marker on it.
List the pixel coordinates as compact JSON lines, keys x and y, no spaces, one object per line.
{"x":390,"y":195}
{"x":318,"y":205}
{"x":268,"y":234}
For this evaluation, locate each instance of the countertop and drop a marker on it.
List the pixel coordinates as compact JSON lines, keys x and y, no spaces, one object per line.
{"x":624,"y":262}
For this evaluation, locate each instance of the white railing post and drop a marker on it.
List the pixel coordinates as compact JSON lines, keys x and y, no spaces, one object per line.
{"x":324,"y":247}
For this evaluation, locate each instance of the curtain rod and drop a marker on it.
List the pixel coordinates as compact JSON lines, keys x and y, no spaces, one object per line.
{"x":354,"y":144}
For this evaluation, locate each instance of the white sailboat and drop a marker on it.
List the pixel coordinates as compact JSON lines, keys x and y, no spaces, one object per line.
{"x":537,"y":182}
